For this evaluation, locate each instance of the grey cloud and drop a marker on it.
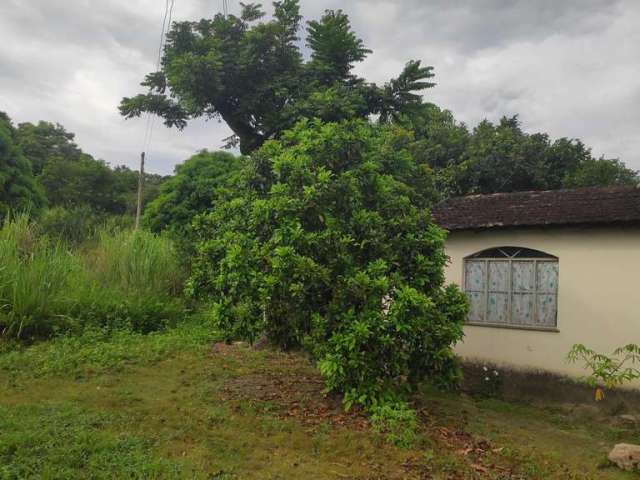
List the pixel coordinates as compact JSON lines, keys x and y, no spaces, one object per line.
{"x":567,"y":67}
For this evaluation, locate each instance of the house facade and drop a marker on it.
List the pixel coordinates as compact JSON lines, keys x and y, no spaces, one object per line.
{"x":544,"y":271}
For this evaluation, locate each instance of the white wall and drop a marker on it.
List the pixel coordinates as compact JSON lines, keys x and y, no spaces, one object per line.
{"x":598,"y":294}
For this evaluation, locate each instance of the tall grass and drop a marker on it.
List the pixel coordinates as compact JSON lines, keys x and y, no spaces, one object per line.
{"x":136,"y":261}
{"x":125,"y":278}
{"x":35,"y":275}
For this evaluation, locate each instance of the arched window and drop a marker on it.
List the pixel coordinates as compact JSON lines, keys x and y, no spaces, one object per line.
{"x":512,"y":287}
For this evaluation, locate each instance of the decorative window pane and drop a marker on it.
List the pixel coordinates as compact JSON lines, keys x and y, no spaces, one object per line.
{"x":547,"y":277}
{"x":523,"y":276}
{"x":498,"y":276}
{"x":522,"y":309}
{"x":476,"y":306}
{"x":546,"y":310}
{"x":512,"y":286}
{"x":498,"y":307}
{"x":475,"y":276}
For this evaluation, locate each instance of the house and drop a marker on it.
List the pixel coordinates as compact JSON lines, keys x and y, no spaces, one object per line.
{"x":544,"y":271}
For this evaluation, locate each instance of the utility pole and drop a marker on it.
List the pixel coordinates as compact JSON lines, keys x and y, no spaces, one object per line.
{"x":140,"y":189}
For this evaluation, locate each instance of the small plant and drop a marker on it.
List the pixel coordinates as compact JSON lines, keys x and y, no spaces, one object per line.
{"x":396,"y":420}
{"x":491,"y":382}
{"x":608,"y":372}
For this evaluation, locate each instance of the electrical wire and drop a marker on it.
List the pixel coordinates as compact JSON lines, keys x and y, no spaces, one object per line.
{"x":163,"y":41}
{"x":151,"y":119}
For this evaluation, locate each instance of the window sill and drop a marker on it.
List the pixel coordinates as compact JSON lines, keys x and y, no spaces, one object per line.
{"x":514,"y":327}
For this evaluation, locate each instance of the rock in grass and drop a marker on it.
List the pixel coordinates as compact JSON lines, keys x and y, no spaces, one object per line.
{"x":626,"y":456}
{"x":628,"y":420}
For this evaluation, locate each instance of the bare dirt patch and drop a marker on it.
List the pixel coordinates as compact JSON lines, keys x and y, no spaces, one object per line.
{"x":286,"y":385}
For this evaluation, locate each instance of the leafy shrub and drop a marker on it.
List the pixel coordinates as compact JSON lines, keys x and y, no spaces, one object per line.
{"x":608,"y":371}
{"x":143,"y":314}
{"x":80,"y":225}
{"x":375,"y":352}
{"x":330,"y":246}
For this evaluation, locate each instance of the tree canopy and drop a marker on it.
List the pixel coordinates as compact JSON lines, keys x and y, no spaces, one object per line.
{"x":45,"y":141}
{"x":71,"y":178}
{"x":503,"y":157}
{"x":601,"y":172}
{"x":18,"y":188}
{"x":194,"y":189}
{"x":251,"y":73}
{"x":84,"y":181}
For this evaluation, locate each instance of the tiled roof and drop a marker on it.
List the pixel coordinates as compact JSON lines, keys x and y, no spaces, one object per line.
{"x":599,"y":205}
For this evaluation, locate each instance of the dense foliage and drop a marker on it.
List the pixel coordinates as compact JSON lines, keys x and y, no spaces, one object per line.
{"x":330,"y":246}
{"x":601,"y":172}
{"x":18,"y":188}
{"x":195,"y":188}
{"x":503,"y":158}
{"x":253,"y":75}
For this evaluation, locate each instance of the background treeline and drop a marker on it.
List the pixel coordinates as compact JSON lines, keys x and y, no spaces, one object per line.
{"x":490,"y":158}
{"x":43,"y":171}
{"x":502,"y":157}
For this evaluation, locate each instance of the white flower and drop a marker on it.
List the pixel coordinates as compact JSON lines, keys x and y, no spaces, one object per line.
{"x":486,"y":379}
{"x":495,"y":372}
{"x":485,"y":369}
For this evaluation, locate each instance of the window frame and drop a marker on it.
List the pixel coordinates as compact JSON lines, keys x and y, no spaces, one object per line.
{"x":543,"y":258}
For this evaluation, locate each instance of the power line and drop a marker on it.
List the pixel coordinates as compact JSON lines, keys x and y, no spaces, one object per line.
{"x":151,"y":120}
{"x":173,"y":3}
{"x":163,"y":41}
{"x":162,"y":33}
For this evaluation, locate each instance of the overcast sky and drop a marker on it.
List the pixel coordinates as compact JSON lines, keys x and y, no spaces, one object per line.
{"x":567,"y":67}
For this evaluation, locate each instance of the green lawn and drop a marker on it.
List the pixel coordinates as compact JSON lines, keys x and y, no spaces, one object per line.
{"x":170,"y":406}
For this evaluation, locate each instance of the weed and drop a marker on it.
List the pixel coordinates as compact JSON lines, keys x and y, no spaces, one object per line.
{"x":397,"y":421}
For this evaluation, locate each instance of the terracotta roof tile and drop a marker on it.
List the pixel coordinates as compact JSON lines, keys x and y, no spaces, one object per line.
{"x":552,"y":207}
